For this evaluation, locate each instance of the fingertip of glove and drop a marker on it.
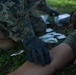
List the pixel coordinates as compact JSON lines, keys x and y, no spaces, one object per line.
{"x":43,"y":64}
{"x":28,"y":57}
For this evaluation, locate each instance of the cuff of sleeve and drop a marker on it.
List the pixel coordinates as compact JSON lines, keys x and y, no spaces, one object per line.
{"x":71,"y":41}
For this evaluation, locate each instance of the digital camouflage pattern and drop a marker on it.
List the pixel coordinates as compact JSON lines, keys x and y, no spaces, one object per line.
{"x":18,"y":17}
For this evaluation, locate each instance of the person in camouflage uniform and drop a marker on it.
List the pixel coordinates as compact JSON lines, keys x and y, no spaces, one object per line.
{"x":16,"y":18}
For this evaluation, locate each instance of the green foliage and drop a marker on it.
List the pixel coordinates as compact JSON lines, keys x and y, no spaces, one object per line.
{"x":63,"y":6}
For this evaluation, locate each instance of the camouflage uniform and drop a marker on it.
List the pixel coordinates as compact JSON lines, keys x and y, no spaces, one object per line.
{"x":18,"y":16}
{"x":14,"y":17}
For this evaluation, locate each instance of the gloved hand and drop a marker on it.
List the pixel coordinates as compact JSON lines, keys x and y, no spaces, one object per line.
{"x":37,"y":51}
{"x":53,"y":13}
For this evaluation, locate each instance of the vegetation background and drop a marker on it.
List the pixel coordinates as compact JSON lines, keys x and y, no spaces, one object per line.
{"x":9,"y":64}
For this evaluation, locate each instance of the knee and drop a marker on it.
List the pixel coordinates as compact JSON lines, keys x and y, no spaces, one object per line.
{"x":6,"y":43}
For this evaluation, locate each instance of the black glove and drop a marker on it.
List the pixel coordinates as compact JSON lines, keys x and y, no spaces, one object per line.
{"x":37,"y":51}
{"x":53,"y":13}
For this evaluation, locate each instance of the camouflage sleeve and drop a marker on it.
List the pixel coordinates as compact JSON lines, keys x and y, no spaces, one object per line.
{"x":43,"y":6}
{"x":19,"y":31}
{"x":12,"y":20}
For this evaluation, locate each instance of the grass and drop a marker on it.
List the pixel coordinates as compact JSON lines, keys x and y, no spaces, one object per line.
{"x":63,"y":6}
{"x":8,"y":63}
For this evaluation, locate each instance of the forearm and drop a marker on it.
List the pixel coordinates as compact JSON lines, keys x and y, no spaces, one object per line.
{"x":33,"y":69}
{"x":61,"y":55}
